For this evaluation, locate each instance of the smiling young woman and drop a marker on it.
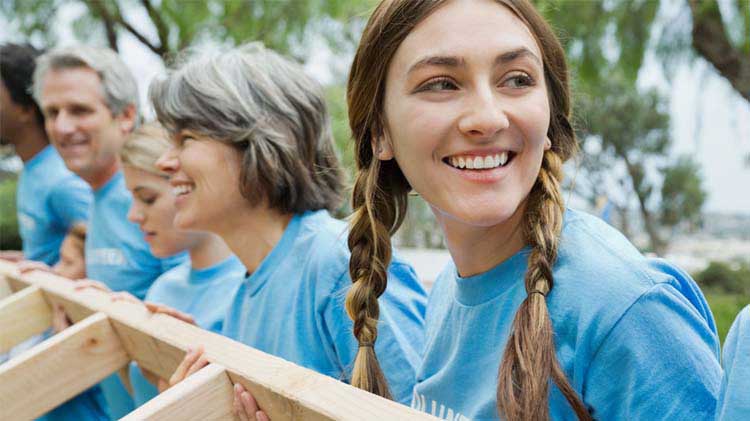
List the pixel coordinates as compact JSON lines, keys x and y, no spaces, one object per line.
{"x":545,"y":312}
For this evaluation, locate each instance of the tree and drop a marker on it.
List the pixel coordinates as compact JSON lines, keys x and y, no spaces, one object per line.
{"x":712,"y":41}
{"x":682,"y":194}
{"x":631,"y":131}
{"x":169,"y":26}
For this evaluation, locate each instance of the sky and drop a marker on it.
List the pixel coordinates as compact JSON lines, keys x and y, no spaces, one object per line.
{"x":710,"y":121}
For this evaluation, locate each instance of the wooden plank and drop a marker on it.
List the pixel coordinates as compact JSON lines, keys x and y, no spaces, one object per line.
{"x":23,"y":315}
{"x":205,"y":395}
{"x":5,"y":289}
{"x":13,"y":281}
{"x":59,"y":368}
{"x":283,"y":389}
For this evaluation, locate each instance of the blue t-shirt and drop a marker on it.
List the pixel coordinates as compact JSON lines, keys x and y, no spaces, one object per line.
{"x":298,"y":293}
{"x":50,"y":200}
{"x":734,"y":403}
{"x":118,"y":255}
{"x":205,"y":294}
{"x":634,"y":336}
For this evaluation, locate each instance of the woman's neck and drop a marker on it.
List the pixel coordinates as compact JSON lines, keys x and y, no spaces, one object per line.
{"x":476,"y":249}
{"x":252,"y":234}
{"x":210,"y":250}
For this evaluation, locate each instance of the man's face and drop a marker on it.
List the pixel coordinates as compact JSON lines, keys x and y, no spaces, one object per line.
{"x":79,"y":123}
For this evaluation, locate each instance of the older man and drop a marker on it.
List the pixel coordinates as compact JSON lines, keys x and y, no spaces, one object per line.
{"x":89,"y":100}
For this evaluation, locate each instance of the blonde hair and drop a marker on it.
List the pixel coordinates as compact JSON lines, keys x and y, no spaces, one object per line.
{"x":380,"y":197}
{"x":144,"y":146}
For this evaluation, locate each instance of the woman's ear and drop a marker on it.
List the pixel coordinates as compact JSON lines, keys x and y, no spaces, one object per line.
{"x":547,"y":144}
{"x":381,"y":146}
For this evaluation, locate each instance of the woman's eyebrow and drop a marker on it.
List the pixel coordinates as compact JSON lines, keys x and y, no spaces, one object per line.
{"x":442,"y":61}
{"x":516,"y":54}
{"x":452,"y":61}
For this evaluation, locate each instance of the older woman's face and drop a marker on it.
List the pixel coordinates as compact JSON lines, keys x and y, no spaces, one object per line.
{"x":205,"y":176}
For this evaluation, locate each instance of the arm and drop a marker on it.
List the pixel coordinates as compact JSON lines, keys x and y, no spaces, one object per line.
{"x":657,"y":362}
{"x":70,"y":202}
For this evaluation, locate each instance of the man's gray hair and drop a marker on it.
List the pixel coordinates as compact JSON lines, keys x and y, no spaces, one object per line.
{"x":118,"y":84}
{"x":274,"y":114}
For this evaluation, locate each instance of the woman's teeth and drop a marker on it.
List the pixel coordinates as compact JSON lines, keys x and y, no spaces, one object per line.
{"x":479,"y":162}
{"x":182,"y":189}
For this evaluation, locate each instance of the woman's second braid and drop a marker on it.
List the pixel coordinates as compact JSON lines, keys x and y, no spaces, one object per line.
{"x":529,"y":359}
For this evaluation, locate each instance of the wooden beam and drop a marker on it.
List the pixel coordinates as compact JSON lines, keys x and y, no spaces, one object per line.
{"x":283,"y":390}
{"x":23,"y":315}
{"x":59,"y":368}
{"x":205,"y":395}
{"x":11,"y":275}
{"x":5,"y":289}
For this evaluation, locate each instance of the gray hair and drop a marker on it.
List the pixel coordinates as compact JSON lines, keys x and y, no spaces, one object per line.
{"x":274,"y":114}
{"x":118,"y":84}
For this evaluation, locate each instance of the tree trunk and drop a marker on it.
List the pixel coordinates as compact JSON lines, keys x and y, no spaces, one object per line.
{"x":657,"y":244}
{"x":710,"y":40}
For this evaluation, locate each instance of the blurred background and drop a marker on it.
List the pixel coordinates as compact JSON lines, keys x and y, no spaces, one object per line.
{"x":661,"y":91}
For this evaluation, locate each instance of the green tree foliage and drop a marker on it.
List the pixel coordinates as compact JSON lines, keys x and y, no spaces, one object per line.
{"x":732,"y":277}
{"x":682,"y":194}
{"x":631,"y":129}
{"x":168,"y":26}
{"x":9,"y":237}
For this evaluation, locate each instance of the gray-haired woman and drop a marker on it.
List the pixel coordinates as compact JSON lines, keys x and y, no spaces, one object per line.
{"x":253,"y":161}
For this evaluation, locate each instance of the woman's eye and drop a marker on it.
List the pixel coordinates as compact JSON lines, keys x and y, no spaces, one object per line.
{"x":438,"y":84}
{"x":148,"y":200}
{"x":519,"y":80}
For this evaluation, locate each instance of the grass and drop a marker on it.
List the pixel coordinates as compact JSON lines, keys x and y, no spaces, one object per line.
{"x":725,"y":307}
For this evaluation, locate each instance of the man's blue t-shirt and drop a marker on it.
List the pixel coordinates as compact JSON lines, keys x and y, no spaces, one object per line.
{"x":205,"y":294}
{"x":734,"y":403}
{"x":634,"y":336}
{"x":50,"y":200}
{"x":118,"y":255}
{"x":298,"y":293}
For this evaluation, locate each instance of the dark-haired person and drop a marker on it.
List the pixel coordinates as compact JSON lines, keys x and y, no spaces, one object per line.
{"x":254,"y":163}
{"x":51,"y":200}
{"x":89,"y":100}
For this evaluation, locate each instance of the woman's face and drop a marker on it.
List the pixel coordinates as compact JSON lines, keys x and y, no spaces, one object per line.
{"x":204,"y":175}
{"x":467,"y":112}
{"x":153,"y":209}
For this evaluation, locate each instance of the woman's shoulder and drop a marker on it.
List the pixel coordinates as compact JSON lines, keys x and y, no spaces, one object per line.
{"x":168,"y":281}
{"x":321,"y":244}
{"x":596,"y":256}
{"x":600,"y":278}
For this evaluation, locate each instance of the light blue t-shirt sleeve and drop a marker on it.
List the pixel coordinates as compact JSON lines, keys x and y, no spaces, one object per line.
{"x":734,"y":403}
{"x":70,"y":201}
{"x":657,"y":362}
{"x":397,"y":349}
